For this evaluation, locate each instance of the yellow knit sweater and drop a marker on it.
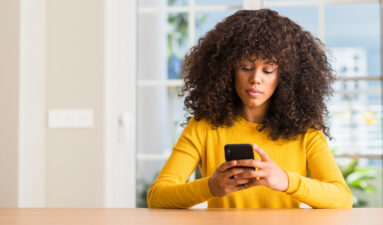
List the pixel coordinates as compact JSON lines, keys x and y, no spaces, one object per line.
{"x":201,"y":145}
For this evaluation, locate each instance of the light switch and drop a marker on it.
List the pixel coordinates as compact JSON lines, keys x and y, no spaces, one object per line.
{"x":74,"y":118}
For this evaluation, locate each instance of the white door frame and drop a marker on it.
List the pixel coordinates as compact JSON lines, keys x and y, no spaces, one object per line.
{"x":120,"y":92}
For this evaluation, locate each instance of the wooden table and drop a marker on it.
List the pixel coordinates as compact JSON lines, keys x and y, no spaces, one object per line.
{"x":50,"y":216}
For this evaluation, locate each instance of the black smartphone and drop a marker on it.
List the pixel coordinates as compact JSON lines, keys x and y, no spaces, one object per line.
{"x":239,"y":151}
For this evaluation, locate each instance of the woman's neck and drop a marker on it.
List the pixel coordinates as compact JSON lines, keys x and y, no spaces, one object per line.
{"x":254,"y":114}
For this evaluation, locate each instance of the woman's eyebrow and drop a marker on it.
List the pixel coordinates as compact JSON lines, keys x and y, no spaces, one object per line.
{"x":246,"y":61}
{"x":266,"y":61}
{"x":270,"y":61}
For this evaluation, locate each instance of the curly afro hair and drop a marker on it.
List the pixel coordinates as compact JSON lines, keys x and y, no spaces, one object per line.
{"x":305,"y":76}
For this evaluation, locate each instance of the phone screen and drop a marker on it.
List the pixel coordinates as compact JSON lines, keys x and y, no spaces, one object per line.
{"x":239,"y":151}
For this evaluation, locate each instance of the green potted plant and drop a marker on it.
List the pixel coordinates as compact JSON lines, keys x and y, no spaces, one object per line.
{"x":357,"y":178}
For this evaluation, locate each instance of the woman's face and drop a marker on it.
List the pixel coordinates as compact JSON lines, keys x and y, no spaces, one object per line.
{"x":255,"y":81}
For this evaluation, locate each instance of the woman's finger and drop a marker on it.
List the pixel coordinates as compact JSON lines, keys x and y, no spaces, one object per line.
{"x":233,"y":172}
{"x":261,"y":153}
{"x":250,"y":163}
{"x":227,"y":165}
{"x":255,"y":182}
{"x":240,"y":187}
{"x":236,"y":182}
{"x":251,"y":174}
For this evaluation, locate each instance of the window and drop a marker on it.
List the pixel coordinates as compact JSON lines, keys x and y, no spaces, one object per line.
{"x":351,"y":31}
{"x":166,"y":30}
{"x":352,"y":34}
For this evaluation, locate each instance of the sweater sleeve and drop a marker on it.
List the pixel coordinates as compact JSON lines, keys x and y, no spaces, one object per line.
{"x":170,"y":190}
{"x":327,"y":188}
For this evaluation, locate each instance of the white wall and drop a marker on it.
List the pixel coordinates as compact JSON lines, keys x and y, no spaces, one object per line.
{"x":9,"y":103}
{"x":52,"y":56}
{"x":75,"y":76}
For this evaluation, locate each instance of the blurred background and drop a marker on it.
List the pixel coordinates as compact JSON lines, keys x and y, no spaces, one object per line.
{"x":89,"y":104}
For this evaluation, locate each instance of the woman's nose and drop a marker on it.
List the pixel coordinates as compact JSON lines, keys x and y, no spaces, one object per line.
{"x":255,"y":78}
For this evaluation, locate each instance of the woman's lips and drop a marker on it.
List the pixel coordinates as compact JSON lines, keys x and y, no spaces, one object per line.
{"x":253,"y":92}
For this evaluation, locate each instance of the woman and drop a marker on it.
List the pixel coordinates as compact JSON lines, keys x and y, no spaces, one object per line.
{"x":257,"y":78}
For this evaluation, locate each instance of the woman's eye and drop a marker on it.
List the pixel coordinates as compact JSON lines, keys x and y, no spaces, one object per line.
{"x":246,"y":68}
{"x":268,"y":72}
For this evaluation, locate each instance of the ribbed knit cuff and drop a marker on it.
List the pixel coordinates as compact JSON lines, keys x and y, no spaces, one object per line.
{"x":294,"y":179}
{"x":202,"y":186}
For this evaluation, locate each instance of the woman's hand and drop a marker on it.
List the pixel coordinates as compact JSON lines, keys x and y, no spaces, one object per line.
{"x":270,"y":175}
{"x":223,"y":182}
